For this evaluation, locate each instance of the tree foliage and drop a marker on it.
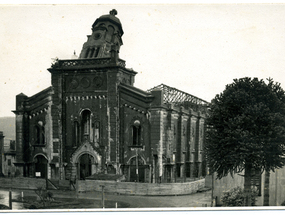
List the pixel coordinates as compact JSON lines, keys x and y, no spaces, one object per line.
{"x":246,"y":127}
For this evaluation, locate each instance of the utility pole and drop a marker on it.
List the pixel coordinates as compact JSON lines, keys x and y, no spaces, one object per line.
{"x":10,"y":194}
{"x":212,"y":194}
{"x":137,"y":165}
{"x":103,"y":197}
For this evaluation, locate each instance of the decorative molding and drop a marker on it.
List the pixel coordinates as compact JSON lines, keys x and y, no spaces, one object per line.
{"x":75,"y":98}
{"x":59,"y":64}
{"x":38,"y":112}
{"x":135,"y":108}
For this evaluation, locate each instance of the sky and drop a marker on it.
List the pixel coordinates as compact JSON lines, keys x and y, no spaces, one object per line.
{"x":197,"y":48}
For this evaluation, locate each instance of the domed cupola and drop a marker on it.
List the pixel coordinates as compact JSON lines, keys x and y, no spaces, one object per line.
{"x":106,"y":35}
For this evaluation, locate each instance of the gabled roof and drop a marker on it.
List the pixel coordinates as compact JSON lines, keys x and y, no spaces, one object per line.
{"x":177,"y":97}
{"x":136,"y":92}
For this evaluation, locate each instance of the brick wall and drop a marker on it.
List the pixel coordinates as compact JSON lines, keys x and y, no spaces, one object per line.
{"x":132,"y":188}
{"x":22,"y":183}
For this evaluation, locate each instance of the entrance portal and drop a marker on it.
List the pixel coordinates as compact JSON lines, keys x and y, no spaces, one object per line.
{"x":40,"y":166}
{"x":85,"y":165}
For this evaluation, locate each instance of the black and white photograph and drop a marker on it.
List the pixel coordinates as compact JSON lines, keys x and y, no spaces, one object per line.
{"x":137,"y":107}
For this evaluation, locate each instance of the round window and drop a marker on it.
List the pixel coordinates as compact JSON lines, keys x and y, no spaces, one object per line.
{"x":97,"y":36}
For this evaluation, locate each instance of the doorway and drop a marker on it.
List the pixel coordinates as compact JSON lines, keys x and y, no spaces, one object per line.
{"x":85,"y":166}
{"x":40,"y":166}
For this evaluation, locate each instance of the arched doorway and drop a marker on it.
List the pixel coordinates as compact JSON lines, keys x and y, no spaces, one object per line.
{"x":84,"y":158}
{"x":137,"y":169}
{"x":85,"y":166}
{"x":40,"y":166}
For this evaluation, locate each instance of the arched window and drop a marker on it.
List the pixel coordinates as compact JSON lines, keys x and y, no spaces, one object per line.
{"x":39,"y":133}
{"x":42,"y":135}
{"x":136,"y":131}
{"x":86,"y":124}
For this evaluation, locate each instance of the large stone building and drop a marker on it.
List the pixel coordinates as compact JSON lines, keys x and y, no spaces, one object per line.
{"x":93,"y":120}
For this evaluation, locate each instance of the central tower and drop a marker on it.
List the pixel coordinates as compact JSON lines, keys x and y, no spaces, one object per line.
{"x":106,"y":36}
{"x":85,"y":109}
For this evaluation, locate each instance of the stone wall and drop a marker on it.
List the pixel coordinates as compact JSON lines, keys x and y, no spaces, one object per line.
{"x":132,"y":188}
{"x":276,"y":187}
{"x":22,"y":183}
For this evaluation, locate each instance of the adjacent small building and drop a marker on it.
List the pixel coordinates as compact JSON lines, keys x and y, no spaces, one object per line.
{"x":93,"y":120}
{"x":7,"y":158}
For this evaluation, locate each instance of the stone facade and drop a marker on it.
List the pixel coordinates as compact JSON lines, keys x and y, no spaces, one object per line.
{"x":93,"y":120}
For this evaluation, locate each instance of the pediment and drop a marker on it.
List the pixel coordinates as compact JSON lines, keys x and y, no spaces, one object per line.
{"x":85,"y":148}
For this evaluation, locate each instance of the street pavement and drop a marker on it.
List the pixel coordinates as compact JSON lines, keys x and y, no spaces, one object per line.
{"x":193,"y":200}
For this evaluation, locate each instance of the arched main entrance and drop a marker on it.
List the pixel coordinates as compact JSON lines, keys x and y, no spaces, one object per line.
{"x":40,"y":166}
{"x":85,"y":161}
{"x":86,"y":166}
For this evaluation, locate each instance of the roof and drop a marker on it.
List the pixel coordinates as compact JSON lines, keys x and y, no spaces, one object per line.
{"x":136,"y":92}
{"x":112,"y":18}
{"x":177,"y":97}
{"x":173,"y":95}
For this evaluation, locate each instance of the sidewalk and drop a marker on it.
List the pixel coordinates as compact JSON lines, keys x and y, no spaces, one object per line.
{"x":193,"y":200}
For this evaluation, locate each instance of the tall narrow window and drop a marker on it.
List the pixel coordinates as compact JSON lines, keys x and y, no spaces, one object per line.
{"x":97,"y":51}
{"x":201,"y":138}
{"x":86,"y":124}
{"x":37,"y":135}
{"x":96,"y":131}
{"x":137,"y":133}
{"x":42,"y":135}
{"x":90,"y":55}
{"x":76,"y":134}
{"x":87,"y":52}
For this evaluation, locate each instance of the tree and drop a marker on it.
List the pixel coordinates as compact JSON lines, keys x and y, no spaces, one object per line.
{"x":246,"y":129}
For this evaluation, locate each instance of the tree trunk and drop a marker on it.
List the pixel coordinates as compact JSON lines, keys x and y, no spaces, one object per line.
{"x":266,"y":189}
{"x":247,"y":184}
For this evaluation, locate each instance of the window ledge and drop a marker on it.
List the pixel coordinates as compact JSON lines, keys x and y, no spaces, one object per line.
{"x":39,"y":145}
{"x":135,"y":147}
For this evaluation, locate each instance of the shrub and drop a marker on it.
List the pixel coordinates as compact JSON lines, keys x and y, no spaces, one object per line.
{"x":236,"y":197}
{"x":44,"y":195}
{"x":283,"y":203}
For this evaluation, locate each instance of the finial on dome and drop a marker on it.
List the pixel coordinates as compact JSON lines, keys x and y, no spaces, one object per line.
{"x":113,"y":12}
{"x":74,"y":56}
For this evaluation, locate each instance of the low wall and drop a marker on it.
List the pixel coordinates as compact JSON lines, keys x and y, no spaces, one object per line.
{"x":127,"y":188}
{"x":132,"y":188}
{"x":22,"y":183}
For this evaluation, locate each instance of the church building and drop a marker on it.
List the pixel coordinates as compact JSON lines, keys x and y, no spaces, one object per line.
{"x":93,"y":120}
